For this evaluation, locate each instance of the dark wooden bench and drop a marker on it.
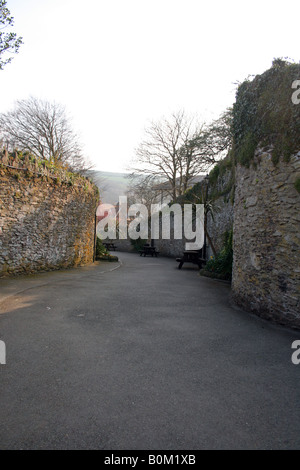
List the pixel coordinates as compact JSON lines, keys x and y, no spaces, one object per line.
{"x":149,"y":250}
{"x":191,"y":256}
{"x":109,"y":246}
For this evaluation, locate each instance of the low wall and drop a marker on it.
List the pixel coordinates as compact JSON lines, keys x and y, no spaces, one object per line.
{"x":124,"y":246}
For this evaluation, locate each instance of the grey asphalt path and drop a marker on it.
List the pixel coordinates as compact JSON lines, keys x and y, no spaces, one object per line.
{"x":142,"y":357}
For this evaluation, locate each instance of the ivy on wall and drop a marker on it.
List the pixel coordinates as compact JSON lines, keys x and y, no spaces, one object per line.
{"x":265,"y":114}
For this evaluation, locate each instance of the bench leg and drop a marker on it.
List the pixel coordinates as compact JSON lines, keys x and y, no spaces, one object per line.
{"x":180,"y":265}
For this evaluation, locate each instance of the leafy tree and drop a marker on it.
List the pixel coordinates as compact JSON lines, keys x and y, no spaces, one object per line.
{"x":9,"y":42}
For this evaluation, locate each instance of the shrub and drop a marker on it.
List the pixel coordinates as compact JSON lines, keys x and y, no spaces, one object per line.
{"x":221,"y":265}
{"x":102,"y":253}
{"x":138,"y":244}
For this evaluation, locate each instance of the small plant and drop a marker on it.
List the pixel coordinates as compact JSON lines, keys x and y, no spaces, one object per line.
{"x":100,"y":248}
{"x":138,"y":244}
{"x":213,"y":175}
{"x":102,"y":253}
{"x":221,"y":264}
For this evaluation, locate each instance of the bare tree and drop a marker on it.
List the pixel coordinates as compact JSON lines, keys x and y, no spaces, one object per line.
{"x":142,"y":190}
{"x":176,"y":150}
{"x":213,"y":143}
{"x":43,"y":129}
{"x":9,"y":42}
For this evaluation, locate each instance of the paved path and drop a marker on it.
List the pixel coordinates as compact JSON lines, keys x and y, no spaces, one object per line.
{"x":142,"y":357}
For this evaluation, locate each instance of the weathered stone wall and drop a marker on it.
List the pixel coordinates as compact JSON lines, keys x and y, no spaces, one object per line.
{"x":124,"y":246}
{"x":221,"y":193}
{"x":47,"y":217}
{"x":266,"y":244}
{"x":171,"y":248}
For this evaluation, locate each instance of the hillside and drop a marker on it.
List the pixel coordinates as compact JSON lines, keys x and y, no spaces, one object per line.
{"x":111,"y":185}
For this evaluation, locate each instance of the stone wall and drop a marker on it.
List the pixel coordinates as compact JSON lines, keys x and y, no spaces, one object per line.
{"x":124,"y":246}
{"x":221,"y":193}
{"x":47,"y":216}
{"x":171,"y":248}
{"x":266,"y":266}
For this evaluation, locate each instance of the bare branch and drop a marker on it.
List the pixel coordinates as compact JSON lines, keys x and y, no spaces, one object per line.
{"x":43,"y":129}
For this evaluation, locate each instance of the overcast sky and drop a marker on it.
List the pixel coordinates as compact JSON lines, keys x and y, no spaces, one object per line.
{"x":118,"y":64}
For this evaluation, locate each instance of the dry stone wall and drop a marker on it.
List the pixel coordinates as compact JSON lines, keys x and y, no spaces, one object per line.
{"x":266,"y":265}
{"x":47,"y":217}
{"x":221,"y":193}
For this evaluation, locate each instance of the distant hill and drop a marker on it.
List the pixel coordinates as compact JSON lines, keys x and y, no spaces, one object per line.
{"x":111,"y":185}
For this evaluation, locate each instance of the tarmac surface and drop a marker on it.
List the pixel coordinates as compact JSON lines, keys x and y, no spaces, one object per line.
{"x":140,"y":355}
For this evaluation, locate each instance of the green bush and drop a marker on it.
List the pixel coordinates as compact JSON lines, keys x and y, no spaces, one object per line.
{"x":221,"y":265}
{"x":102,"y":253}
{"x":138,"y":244}
{"x":214,"y":174}
{"x":100,"y":248}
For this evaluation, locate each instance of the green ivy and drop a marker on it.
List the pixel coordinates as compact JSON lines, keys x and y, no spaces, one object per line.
{"x":264,"y":113}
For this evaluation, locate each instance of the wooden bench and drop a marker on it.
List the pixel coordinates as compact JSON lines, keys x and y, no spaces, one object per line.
{"x":109,"y":246}
{"x":149,"y":250}
{"x":191,"y":257}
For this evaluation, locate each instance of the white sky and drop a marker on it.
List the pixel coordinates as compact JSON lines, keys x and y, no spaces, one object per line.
{"x":118,"y":64}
